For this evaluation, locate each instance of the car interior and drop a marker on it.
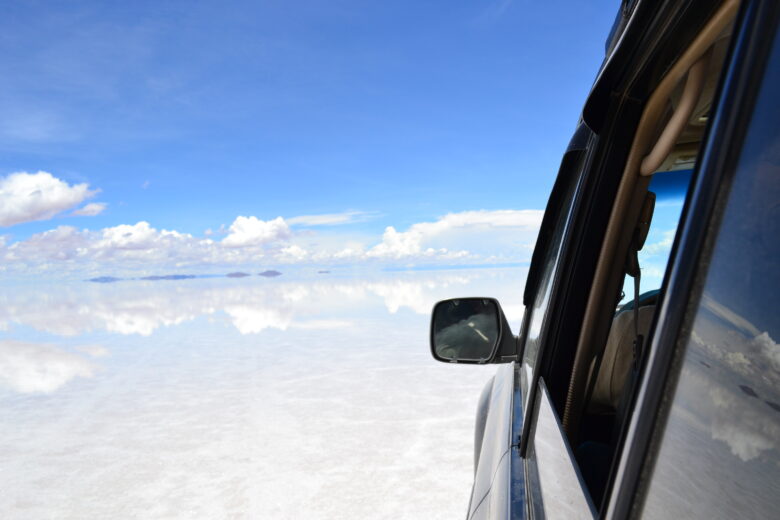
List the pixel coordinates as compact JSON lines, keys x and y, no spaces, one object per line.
{"x":628,"y":279}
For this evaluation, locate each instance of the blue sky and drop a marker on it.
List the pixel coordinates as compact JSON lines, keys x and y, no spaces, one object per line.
{"x":187,"y":115}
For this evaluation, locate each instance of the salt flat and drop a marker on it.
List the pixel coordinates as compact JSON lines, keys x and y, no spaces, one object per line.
{"x":308,"y":397}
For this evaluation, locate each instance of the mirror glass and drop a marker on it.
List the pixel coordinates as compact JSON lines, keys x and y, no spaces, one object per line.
{"x":465,"y":329}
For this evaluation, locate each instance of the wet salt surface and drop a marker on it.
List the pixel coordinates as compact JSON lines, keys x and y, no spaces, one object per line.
{"x":238,"y":398}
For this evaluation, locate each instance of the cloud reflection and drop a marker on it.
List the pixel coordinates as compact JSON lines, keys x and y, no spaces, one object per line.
{"x":250,"y":319}
{"x":187,"y":414}
{"x":251,"y":308}
{"x":37,"y":368}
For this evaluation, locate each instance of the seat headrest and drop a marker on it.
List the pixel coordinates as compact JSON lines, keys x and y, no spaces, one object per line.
{"x":617,"y":360}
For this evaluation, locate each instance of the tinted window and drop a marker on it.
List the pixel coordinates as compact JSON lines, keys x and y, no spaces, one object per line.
{"x":720,"y":452}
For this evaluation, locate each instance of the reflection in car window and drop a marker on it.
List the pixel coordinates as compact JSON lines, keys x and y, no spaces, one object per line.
{"x":720,"y":452}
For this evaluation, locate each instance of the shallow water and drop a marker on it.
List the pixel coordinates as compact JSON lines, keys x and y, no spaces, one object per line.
{"x":308,"y":397}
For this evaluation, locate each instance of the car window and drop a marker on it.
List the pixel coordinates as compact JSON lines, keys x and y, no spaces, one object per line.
{"x":560,"y":484}
{"x":614,"y":367}
{"x":538,"y":310}
{"x":670,"y":189}
{"x":719,"y":456}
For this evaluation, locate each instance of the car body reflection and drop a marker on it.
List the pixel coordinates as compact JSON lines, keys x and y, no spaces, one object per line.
{"x":727,"y":424}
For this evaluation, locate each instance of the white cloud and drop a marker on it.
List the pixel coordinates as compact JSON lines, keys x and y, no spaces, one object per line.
{"x":62,"y":244}
{"x":137,"y":236}
{"x":294,"y":252}
{"x":329,"y":219}
{"x":26,"y":197}
{"x":90,"y":210}
{"x":471,"y":236}
{"x":251,"y":231}
{"x":143,"y":245}
{"x":662,"y":246}
{"x":34,"y":368}
{"x":348,"y":253}
{"x":412,"y":242}
{"x":120,"y":247}
{"x":96,"y":351}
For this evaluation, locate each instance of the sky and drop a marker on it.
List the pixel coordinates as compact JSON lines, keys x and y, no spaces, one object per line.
{"x":150,"y":136}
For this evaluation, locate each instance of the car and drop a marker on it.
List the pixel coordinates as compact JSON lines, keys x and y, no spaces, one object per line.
{"x":645,"y":378}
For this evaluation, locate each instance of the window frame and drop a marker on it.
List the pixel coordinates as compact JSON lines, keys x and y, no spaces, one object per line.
{"x":559,"y":217}
{"x":657,"y":37}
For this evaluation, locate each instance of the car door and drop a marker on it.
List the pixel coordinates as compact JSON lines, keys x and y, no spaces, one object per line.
{"x":561,"y":431}
{"x":499,"y":484}
{"x":530,"y":464}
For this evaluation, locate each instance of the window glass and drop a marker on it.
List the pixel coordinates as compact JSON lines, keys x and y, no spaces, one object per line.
{"x":720,"y":452}
{"x":560,"y":485}
{"x":670,"y":188}
{"x":544,"y":290}
{"x":671,"y":180}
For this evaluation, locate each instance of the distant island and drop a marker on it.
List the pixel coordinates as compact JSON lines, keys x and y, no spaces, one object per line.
{"x":270,"y":273}
{"x":104,"y":279}
{"x":323,"y":272}
{"x":169,"y":277}
{"x":238,"y":274}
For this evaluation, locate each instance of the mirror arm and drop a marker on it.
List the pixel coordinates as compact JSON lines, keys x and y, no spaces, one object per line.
{"x":514,"y":357}
{"x":508,"y":350}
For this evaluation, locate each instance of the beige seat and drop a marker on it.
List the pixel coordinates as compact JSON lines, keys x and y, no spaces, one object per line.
{"x":617,"y":360}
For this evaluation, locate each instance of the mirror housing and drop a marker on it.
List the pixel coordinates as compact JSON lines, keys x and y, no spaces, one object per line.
{"x":471,"y":330}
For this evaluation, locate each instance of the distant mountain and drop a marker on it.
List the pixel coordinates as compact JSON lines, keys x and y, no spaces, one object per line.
{"x":323,"y":272}
{"x":270,"y":274}
{"x":104,"y":279}
{"x":237,"y":275}
{"x":169,"y":277}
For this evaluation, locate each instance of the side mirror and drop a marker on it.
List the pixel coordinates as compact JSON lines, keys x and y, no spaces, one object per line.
{"x":471,"y":330}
